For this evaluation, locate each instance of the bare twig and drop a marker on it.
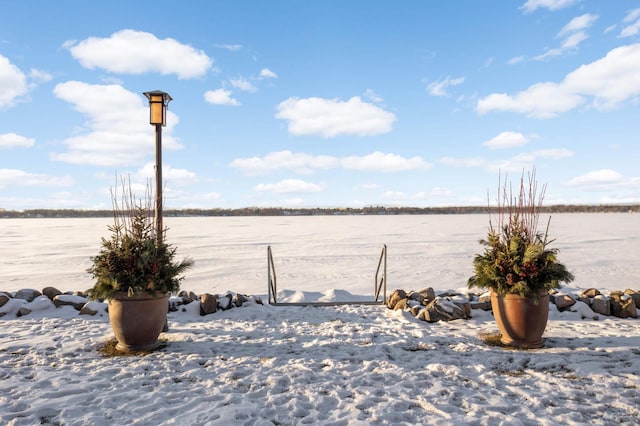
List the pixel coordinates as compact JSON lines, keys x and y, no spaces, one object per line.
{"x":126,"y":204}
{"x":518,"y":212}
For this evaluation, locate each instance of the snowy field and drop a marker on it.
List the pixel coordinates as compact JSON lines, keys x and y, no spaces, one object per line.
{"x":335,"y":365}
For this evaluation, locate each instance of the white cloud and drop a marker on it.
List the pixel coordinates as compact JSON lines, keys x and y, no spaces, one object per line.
{"x":291,"y":201}
{"x":10,"y":140}
{"x":230,"y":47}
{"x":136,"y":52}
{"x":549,"y":54}
{"x":373,"y":96}
{"x":283,"y":160}
{"x":573,"y":40}
{"x":307,"y":163}
{"x":609,"y":82}
{"x":527,"y":160}
{"x":394,"y":195}
{"x":630,"y":30}
{"x":267,"y":73}
{"x":514,"y":164}
{"x":16,"y":178}
{"x":553,"y":153}
{"x":542,"y":100}
{"x":381,"y":162}
{"x":553,"y":5}
{"x":506,"y":140}
{"x":440,"y":88}
{"x":573,"y":34}
{"x":632,"y":24}
{"x":39,"y":75}
{"x":13,"y":83}
{"x":220,"y":97}
{"x":289,"y":186}
{"x":368,"y":186}
{"x":172,"y":175}
{"x":462,"y":162}
{"x":632,"y":16}
{"x":402,"y":198}
{"x":630,"y":199}
{"x":509,"y":166}
{"x":597,"y":178}
{"x":578,"y":23}
{"x":332,"y":117}
{"x":606,"y":180}
{"x":211,"y":196}
{"x":184,"y":199}
{"x":243,"y":84}
{"x":116,"y":131}
{"x":532,"y":156}
{"x":441,"y":192}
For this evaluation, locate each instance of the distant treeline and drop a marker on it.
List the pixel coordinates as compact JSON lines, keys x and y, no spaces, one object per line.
{"x":281,"y":211}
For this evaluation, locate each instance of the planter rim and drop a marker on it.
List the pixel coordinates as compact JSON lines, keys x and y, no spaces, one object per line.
{"x":124,"y":296}
{"x":542,"y":292}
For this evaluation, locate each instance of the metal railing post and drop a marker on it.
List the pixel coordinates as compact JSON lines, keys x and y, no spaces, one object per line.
{"x":377,"y":286}
{"x":271,"y":277}
{"x":384,"y":294}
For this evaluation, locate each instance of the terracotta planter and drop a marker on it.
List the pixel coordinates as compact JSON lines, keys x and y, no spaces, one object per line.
{"x":521,"y":320}
{"x":137,"y":321}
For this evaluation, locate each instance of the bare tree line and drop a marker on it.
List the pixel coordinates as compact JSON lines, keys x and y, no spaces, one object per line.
{"x":320,"y":211}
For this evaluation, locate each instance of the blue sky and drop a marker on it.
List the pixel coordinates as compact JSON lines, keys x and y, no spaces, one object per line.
{"x":319,"y":103}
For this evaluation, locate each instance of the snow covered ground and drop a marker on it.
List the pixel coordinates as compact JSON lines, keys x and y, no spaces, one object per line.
{"x":307,"y":365}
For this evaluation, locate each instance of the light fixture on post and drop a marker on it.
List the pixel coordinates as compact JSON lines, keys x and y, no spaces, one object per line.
{"x":158,"y":105}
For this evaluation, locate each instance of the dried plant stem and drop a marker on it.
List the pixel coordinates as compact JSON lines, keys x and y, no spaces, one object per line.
{"x":517,"y":210}
{"x":126,"y":205}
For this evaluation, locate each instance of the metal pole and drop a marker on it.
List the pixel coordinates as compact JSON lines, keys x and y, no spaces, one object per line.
{"x":384,"y":296}
{"x":269,"y":273}
{"x":158,"y":206}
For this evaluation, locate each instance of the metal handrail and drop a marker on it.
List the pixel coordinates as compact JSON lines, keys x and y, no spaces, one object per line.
{"x":383,"y":281}
{"x":380,"y":286}
{"x":271,"y":273}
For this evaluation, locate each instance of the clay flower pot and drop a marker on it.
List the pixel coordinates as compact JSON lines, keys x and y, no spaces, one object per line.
{"x":137,"y":321}
{"x":521,"y":320}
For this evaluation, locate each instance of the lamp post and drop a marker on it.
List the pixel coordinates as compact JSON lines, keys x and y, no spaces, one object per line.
{"x":158,"y":105}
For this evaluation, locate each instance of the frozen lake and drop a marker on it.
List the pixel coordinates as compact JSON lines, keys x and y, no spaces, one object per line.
{"x":318,"y":253}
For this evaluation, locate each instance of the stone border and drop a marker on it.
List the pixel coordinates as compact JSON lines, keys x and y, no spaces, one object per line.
{"x":425,"y":305}
{"x":25,"y":301}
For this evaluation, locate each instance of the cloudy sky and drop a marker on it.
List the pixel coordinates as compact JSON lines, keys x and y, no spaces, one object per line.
{"x":319,"y":103}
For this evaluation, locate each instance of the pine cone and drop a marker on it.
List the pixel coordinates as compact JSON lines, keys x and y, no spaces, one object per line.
{"x":114,"y":263}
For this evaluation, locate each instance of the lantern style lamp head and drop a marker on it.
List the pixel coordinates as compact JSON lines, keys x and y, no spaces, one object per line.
{"x":158,"y":105}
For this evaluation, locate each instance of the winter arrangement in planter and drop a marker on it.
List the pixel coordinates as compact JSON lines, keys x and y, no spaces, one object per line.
{"x":518,"y":266}
{"x":136,"y":271}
